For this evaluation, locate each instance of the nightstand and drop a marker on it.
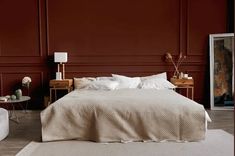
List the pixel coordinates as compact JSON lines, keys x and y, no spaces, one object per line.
{"x":55,"y":85}
{"x":187,"y":84}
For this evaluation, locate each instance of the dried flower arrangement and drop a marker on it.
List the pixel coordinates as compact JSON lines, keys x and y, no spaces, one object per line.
{"x":176,"y":64}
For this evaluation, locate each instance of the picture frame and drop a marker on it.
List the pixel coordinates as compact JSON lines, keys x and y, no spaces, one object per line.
{"x":221,"y":71}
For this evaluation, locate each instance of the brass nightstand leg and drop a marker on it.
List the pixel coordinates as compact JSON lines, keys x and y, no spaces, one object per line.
{"x":192,"y":93}
{"x":55,"y":94}
{"x":187,"y":92}
{"x":50,"y":95}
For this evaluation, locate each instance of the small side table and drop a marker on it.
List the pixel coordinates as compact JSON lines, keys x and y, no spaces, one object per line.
{"x":55,"y":85}
{"x":187,"y":84}
{"x":12,"y":114}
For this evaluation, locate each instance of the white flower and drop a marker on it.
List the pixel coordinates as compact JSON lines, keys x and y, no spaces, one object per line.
{"x":26,"y":81}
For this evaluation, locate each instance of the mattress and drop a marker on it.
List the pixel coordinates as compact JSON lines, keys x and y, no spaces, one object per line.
{"x":124,"y":115}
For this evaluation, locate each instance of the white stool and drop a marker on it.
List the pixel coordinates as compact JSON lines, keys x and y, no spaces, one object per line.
{"x":4,"y":123}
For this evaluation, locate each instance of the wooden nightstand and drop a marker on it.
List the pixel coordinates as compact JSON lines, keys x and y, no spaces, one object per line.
{"x":66,"y":84}
{"x":184,"y":84}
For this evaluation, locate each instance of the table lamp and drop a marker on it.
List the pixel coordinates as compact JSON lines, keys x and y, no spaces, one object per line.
{"x":60,"y":58}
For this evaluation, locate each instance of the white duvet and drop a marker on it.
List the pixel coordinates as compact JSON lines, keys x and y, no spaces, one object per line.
{"x":124,"y":115}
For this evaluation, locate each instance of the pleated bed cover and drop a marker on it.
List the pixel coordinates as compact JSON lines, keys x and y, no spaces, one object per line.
{"x":123,"y":115}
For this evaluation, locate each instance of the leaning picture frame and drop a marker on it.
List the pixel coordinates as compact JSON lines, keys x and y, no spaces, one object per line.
{"x":221,"y":71}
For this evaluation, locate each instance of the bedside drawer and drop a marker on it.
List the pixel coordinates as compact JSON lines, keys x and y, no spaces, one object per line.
{"x":179,"y":82}
{"x":61,"y":83}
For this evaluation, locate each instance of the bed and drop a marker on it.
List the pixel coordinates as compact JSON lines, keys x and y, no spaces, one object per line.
{"x":123,"y":115}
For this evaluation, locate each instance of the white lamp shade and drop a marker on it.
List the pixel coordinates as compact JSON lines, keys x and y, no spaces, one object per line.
{"x":60,"y":57}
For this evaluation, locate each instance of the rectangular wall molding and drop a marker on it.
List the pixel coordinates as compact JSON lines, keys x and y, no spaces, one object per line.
{"x":101,"y":40}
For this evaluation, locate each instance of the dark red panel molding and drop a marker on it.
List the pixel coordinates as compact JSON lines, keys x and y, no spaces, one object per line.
{"x":104,"y":37}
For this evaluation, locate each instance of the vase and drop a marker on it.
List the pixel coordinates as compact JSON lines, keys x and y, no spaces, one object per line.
{"x":18,"y":94}
{"x":13,"y":97}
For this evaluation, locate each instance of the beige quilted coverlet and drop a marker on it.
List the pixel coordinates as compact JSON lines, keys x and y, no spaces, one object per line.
{"x":123,"y":115}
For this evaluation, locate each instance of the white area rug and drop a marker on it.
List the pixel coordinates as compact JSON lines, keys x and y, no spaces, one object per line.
{"x":217,"y":143}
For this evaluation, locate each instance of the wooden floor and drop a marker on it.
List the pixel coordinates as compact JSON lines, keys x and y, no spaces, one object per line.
{"x":29,"y":129}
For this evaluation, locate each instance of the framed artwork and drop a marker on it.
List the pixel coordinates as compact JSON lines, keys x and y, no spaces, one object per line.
{"x":221,"y":71}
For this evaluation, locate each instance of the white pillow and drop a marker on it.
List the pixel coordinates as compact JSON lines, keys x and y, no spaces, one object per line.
{"x":103,"y":85}
{"x":161,"y":75}
{"x":105,"y":78}
{"x":156,"y":83}
{"x":126,"y":82}
{"x":82,"y":83}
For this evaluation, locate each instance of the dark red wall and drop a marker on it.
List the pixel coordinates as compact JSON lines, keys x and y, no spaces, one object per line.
{"x":104,"y":37}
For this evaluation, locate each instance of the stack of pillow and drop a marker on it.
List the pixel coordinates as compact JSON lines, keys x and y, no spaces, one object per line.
{"x":158,"y":81}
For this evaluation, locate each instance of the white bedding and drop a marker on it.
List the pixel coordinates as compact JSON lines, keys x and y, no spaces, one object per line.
{"x":124,"y":115}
